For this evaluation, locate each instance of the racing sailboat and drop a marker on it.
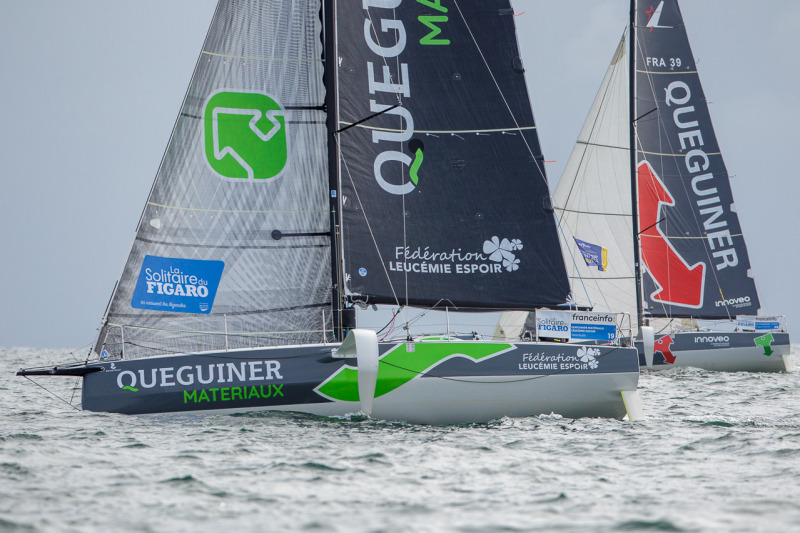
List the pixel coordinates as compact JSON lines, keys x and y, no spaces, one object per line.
{"x":666,"y":207}
{"x":330,"y":156}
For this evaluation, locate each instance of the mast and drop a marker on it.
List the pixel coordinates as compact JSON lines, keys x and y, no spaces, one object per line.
{"x":331,"y":70}
{"x":634,"y":189}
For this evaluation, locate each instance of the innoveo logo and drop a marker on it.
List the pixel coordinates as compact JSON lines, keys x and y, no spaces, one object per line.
{"x":705,"y":339}
{"x":743,"y":301}
{"x":245,"y":135}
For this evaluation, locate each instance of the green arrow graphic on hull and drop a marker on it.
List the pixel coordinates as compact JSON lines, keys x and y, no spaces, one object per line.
{"x":765,"y":342}
{"x":399,"y":366}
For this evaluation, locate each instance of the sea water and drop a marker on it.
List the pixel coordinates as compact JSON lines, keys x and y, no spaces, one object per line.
{"x":718,"y":451}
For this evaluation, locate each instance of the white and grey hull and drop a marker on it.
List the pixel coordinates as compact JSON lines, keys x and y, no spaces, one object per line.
{"x":724,"y":352}
{"x":432,"y":382}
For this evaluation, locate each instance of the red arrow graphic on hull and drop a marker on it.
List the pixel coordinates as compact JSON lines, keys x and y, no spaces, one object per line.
{"x":676,"y":282}
{"x":662,"y":346}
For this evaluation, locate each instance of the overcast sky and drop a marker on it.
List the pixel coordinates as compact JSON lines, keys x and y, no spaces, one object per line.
{"x":91,"y":89}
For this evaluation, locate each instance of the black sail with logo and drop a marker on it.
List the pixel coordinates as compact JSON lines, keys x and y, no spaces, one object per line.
{"x":694,"y":254}
{"x":444,"y":197}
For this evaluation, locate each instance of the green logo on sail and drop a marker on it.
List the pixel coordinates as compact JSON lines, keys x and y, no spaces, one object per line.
{"x":245,"y":135}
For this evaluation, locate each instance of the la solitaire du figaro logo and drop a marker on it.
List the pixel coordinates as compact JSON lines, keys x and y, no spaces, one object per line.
{"x":245,"y":135}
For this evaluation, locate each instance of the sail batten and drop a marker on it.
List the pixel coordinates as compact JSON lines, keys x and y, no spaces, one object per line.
{"x":484,"y":130}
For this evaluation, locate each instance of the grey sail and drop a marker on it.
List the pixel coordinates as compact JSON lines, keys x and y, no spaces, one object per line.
{"x":226,"y":216}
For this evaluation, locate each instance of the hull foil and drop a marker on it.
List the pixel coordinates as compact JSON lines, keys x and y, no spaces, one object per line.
{"x":430,"y":382}
{"x":724,"y":352}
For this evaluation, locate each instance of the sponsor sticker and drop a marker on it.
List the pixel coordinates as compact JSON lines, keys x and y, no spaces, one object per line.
{"x":577,"y":325}
{"x":177,"y":285}
{"x":586,"y":358}
{"x":758,"y":323}
{"x":496,"y":256}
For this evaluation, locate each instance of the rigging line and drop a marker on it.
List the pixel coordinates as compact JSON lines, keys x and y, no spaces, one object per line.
{"x":499,"y":90}
{"x":74,"y":389}
{"x":433,"y":307}
{"x":390,"y":323}
{"x":598,"y":213}
{"x":85,"y":362}
{"x":604,"y":278}
{"x":405,"y":244}
{"x":488,"y":130}
{"x":240,"y":211}
{"x":681,"y":237}
{"x":212,"y":333}
{"x":231,"y":313}
{"x":656,"y":223}
{"x":648,"y":72}
{"x":255,"y":58}
{"x":235,"y":246}
{"x":640,"y":149}
{"x":366,"y":220}
{"x":379,"y":113}
{"x":48,"y":391}
{"x":674,"y":154}
{"x":321,"y":352}
{"x":642,"y":116}
{"x":217,"y":352}
{"x":598,"y":145}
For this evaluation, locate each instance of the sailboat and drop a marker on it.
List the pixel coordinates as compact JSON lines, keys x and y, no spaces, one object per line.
{"x":654,"y":231}
{"x":330,"y":156}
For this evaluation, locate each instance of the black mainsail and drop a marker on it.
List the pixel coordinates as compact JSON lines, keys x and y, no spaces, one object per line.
{"x":444,"y":197}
